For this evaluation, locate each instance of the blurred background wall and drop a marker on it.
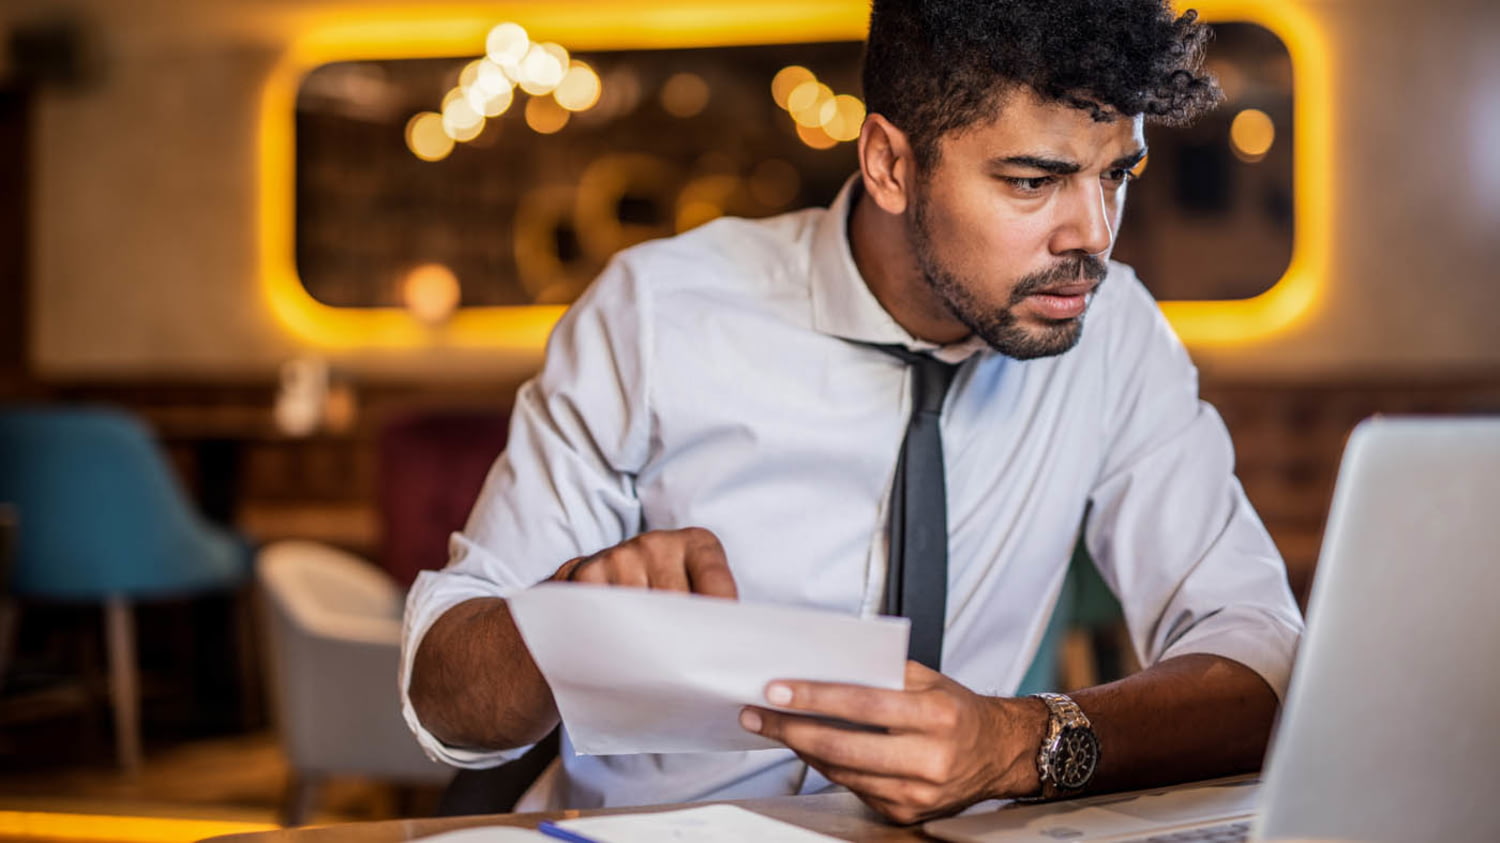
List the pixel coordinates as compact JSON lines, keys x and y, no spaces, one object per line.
{"x":144,"y":182}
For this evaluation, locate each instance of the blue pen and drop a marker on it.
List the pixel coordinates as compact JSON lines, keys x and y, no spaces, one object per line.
{"x":552,"y":829}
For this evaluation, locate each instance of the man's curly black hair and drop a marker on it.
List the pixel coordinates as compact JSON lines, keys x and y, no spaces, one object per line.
{"x":936,"y":66}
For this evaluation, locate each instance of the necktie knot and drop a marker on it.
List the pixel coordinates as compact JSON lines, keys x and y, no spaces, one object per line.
{"x":931,"y":377}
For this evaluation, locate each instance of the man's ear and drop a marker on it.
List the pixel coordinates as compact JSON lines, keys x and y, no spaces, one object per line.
{"x":887,"y":164}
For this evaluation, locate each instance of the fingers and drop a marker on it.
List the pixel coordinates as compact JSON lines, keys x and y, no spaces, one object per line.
{"x":924,"y":751}
{"x":920,"y":676}
{"x":687,"y":560}
{"x":911,"y":710}
{"x":902,"y":800}
{"x":706,"y":566}
{"x":869,"y":752}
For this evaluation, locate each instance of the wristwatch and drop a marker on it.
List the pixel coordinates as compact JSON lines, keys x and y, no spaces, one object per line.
{"x":1070,"y":751}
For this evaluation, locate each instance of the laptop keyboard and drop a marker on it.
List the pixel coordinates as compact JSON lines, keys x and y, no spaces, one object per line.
{"x":1223,"y":833}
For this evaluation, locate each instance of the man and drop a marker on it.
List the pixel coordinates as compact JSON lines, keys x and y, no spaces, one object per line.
{"x":722,"y":413}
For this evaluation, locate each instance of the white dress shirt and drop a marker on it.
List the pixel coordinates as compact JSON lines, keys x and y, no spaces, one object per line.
{"x":708,"y":380}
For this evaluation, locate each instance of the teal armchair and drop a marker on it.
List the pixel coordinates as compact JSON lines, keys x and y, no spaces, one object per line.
{"x":100,"y":518}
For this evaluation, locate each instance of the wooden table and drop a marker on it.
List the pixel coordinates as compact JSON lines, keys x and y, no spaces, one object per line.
{"x":839,"y":815}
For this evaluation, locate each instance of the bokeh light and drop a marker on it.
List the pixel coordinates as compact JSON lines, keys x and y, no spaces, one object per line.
{"x":497,"y":104}
{"x":1251,"y":134}
{"x":812,"y":114}
{"x":823,"y":118}
{"x":684,"y":95}
{"x":475,"y":97}
{"x":460,"y":119}
{"x":842,"y":117}
{"x":431,"y":293}
{"x":506,"y":44}
{"x":815,"y":137}
{"x":470,"y":74}
{"x":491,"y":78}
{"x":558,"y":52}
{"x":425,"y":136}
{"x":804,"y":96}
{"x":539,"y":71}
{"x":545,"y":116}
{"x":579,"y":89}
{"x":786,"y":80}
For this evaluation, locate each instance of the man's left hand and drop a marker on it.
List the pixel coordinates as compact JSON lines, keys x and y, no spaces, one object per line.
{"x":932,"y":749}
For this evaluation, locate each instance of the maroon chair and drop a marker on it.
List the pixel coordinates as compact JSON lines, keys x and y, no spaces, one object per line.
{"x":430,"y":467}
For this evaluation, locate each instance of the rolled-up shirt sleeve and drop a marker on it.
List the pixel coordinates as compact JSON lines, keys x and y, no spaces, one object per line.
{"x":1169,"y":525}
{"x":564,"y":486}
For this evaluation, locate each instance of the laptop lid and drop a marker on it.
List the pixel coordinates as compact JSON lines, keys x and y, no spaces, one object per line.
{"x":1390,"y":732}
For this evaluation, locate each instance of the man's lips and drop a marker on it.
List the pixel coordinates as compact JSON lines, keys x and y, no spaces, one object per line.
{"x":1076,"y":288}
{"x":1064,"y":301}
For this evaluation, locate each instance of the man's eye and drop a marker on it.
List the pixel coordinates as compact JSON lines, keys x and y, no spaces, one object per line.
{"x":1029,"y":185}
{"x":1120,"y":175}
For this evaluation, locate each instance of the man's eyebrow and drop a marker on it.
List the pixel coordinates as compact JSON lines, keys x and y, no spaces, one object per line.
{"x":1128,"y":162}
{"x":1059,"y":167}
{"x":1055,"y":166}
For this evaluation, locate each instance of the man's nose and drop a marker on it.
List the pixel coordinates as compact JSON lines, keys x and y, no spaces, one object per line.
{"x":1089,"y":223}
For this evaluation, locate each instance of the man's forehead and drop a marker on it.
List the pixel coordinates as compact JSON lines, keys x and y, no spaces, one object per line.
{"x":1024,"y":124}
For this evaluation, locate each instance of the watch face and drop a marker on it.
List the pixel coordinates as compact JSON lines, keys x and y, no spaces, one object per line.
{"x":1075,"y":759}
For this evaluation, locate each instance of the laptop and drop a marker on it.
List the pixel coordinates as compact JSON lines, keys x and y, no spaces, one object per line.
{"x":1391,"y":728}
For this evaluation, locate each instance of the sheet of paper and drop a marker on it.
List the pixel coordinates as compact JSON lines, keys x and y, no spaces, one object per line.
{"x":708,"y":824}
{"x":654,"y":671}
{"x":488,"y":834}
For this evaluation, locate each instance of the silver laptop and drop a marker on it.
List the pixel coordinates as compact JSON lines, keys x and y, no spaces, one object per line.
{"x":1391,"y":727}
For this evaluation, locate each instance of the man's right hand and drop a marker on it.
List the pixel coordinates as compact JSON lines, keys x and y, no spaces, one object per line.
{"x":687,"y":560}
{"x":473,"y":682}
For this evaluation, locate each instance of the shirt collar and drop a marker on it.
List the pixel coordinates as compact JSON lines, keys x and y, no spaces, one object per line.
{"x":842,"y":304}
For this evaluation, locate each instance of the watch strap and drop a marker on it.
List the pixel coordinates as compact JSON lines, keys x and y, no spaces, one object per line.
{"x":1063,"y":714}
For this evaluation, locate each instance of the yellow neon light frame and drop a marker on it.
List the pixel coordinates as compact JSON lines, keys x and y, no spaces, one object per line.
{"x":117,"y":829}
{"x":420,"y":32}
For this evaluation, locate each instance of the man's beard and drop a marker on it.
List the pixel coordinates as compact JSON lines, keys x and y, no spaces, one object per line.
{"x":999,"y":327}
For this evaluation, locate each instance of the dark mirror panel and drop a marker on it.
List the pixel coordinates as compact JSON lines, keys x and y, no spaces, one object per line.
{"x":528,"y":205}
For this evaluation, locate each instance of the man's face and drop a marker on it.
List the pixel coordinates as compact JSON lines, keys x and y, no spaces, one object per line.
{"x":1012,"y":225}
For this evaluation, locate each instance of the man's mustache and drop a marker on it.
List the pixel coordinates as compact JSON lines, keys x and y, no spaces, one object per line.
{"x":1067,"y":271}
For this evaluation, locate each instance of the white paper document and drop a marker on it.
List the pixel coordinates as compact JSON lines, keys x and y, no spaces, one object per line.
{"x":704,"y":824}
{"x":654,"y":671}
{"x":708,"y":824}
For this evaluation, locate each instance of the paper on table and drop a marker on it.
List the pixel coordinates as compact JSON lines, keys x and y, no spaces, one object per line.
{"x":488,"y":834}
{"x":708,"y":824}
{"x":654,"y":671}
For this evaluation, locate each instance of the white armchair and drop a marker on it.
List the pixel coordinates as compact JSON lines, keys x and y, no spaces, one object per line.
{"x":335,"y":635}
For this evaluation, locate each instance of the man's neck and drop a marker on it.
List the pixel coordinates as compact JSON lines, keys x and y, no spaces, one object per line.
{"x":885,"y":259}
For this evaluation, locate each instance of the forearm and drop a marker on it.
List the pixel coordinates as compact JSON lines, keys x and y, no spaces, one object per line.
{"x":1191,"y":717}
{"x":474,"y":683}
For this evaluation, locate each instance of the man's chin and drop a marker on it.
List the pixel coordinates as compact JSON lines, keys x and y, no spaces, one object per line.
{"x":1034,"y":338}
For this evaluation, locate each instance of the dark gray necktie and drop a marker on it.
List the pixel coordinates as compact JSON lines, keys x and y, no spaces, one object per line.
{"x":916,"y":583}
